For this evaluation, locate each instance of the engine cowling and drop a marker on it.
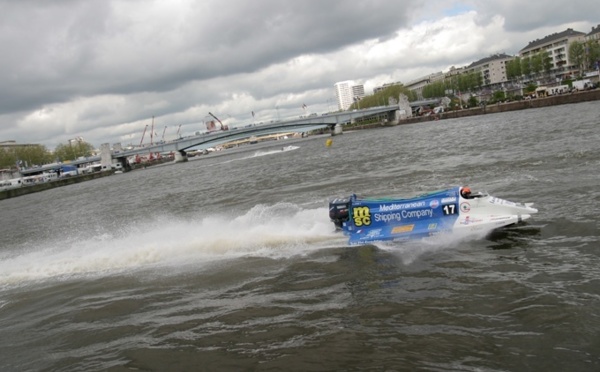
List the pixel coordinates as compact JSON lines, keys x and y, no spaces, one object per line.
{"x":338,"y":211}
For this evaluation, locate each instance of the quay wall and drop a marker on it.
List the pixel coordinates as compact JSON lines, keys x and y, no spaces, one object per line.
{"x":24,"y":190}
{"x":576,"y":97}
{"x":562,"y":99}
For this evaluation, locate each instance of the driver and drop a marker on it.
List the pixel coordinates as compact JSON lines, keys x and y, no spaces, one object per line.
{"x":465,"y":192}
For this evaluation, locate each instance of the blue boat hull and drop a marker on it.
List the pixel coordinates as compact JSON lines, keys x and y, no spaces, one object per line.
{"x":445,"y":211}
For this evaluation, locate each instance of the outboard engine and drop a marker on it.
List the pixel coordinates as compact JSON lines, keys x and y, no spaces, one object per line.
{"x":338,"y":211}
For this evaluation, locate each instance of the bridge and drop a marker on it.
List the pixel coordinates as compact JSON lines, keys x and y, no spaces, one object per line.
{"x":118,"y":156}
{"x":207,"y":140}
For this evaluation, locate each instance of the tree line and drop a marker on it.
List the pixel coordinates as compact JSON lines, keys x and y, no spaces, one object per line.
{"x":584,"y":55}
{"x":454,"y":85}
{"x":29,"y":156}
{"x":382,"y":97}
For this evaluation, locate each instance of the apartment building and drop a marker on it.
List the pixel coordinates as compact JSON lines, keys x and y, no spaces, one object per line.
{"x":358,"y":91}
{"x":594,"y":34}
{"x":557,"y":48}
{"x":346,"y":92}
{"x":13,"y":145}
{"x":417,"y":85}
{"x":492,"y":69}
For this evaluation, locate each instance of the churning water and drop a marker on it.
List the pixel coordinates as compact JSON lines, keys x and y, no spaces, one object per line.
{"x":230,"y":262}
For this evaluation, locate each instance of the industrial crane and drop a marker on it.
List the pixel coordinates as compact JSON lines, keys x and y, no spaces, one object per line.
{"x":223,"y":127}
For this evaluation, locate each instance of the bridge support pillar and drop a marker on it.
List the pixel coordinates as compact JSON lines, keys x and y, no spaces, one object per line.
{"x":180,"y":156}
{"x":337,"y":130}
{"x":105,"y":156}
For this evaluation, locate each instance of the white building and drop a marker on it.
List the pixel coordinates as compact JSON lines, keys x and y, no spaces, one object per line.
{"x":358,"y":91}
{"x":492,"y":69}
{"x":557,"y":47}
{"x":346,"y":92}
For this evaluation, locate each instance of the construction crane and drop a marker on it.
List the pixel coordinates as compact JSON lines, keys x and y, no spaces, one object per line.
{"x":223,"y":127}
{"x":143,"y":134}
{"x":152,"y":133}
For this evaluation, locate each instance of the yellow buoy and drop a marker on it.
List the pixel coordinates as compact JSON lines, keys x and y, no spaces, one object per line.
{"x":328,"y":142}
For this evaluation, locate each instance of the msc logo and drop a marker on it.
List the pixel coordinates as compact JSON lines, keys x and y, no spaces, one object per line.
{"x":361,"y":216}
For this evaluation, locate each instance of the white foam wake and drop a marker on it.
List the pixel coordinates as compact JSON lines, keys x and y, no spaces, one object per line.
{"x":281,"y":230}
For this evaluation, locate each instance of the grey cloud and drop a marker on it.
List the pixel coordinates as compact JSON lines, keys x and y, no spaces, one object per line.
{"x":60,"y":50}
{"x":524,"y":16}
{"x":164,"y":58}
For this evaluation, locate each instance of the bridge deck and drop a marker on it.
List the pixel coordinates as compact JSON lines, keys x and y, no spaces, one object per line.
{"x":207,"y":140}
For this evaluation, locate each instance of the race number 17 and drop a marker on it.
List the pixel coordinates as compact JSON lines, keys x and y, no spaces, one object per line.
{"x":449,"y":209}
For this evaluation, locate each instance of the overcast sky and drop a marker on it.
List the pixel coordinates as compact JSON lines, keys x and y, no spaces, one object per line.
{"x":102,"y":69}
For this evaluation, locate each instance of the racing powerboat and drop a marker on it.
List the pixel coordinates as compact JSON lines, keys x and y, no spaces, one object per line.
{"x":453,"y":210}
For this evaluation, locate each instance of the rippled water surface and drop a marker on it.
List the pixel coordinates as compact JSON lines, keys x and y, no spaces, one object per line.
{"x":229,"y":261}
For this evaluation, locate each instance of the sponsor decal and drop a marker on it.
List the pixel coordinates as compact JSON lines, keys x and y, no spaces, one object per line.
{"x":419,"y":213}
{"x":432,"y":226}
{"x":468,"y":220}
{"x":397,"y":207}
{"x":434,"y":203}
{"x":403,"y":229}
{"x":387,"y":217}
{"x":375,"y":233}
{"x":361,"y":216}
{"x":494,"y":200}
{"x":465,"y":207}
{"x":398,"y":216}
{"x":449,"y":200}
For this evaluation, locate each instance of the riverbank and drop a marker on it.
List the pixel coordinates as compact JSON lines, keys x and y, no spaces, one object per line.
{"x":24,"y":190}
{"x":577,"y":97}
{"x":563,"y":99}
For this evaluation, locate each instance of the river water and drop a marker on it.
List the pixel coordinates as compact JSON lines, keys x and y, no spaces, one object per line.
{"x":229,"y":261}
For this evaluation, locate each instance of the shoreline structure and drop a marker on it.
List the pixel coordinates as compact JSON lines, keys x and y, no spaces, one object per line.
{"x":576,"y":97}
{"x":563,"y":99}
